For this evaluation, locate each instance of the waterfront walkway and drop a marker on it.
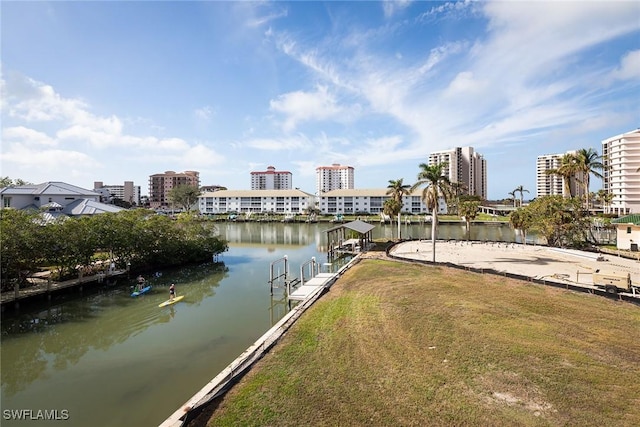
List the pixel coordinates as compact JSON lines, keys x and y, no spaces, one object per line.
{"x":45,"y":286}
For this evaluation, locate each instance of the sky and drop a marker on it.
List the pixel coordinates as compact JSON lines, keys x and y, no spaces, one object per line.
{"x":117,"y":91}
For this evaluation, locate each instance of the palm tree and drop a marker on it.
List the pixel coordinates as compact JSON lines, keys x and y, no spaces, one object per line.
{"x":520,"y":189}
{"x":589,"y":163}
{"x":397,"y":190}
{"x":458,"y":188}
{"x":567,"y":170}
{"x":604,"y":197}
{"x":436,"y":185}
{"x":513,"y":197}
{"x":469,"y":210}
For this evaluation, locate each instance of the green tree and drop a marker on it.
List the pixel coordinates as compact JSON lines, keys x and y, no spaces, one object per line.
{"x":69,"y":244}
{"x":185,"y":196}
{"x":469,"y":210}
{"x":521,"y":219}
{"x":5,"y":181}
{"x":589,"y":163}
{"x":397,"y":189}
{"x":513,"y":197}
{"x":436,"y":185}
{"x":20,"y":246}
{"x":560,"y":220}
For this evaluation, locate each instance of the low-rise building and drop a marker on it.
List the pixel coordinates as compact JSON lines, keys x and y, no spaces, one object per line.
{"x":127,"y":193}
{"x":371,"y":201}
{"x":255,"y":201}
{"x":54,"y":197}
{"x":628,"y":232}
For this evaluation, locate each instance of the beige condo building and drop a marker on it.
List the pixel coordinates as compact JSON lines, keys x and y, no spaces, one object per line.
{"x":161,"y":183}
{"x":334,"y":177}
{"x":464,"y":166}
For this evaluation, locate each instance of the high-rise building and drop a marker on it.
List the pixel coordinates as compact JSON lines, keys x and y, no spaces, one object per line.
{"x":464,"y":166}
{"x":621,"y":158}
{"x":334,"y":177}
{"x":271,"y":179}
{"x":548,"y":184}
{"x":127,"y":193}
{"x":161,"y":183}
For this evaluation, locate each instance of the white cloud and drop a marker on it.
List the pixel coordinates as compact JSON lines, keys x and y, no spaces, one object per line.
{"x":47,"y":160}
{"x":28,"y":136}
{"x":441,"y":53}
{"x":39,"y":102}
{"x":391,"y":7}
{"x":629,"y":67}
{"x":296,"y":142}
{"x":465,"y":84}
{"x":200,"y":156}
{"x":204,"y":113}
{"x":305,"y":106}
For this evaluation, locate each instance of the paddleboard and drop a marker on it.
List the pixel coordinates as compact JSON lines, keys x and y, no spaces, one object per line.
{"x":141,"y":291}
{"x":169,"y":302}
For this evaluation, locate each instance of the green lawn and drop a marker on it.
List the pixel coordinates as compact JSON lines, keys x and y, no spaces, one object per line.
{"x":401,"y":344}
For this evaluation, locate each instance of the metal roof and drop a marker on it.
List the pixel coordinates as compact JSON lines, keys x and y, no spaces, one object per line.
{"x":48,"y":188}
{"x":357,"y":226}
{"x":629,"y":219}
{"x":365,"y":192}
{"x":257,"y":193}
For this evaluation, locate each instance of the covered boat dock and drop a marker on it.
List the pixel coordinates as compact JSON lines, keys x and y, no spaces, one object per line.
{"x":341,"y":243}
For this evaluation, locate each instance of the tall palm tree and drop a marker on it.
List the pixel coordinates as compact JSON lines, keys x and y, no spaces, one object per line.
{"x":397,"y":190}
{"x":513,"y":197}
{"x":589,"y":163}
{"x":435,"y":185}
{"x":458,"y":188}
{"x":567,"y":170}
{"x":520,"y":189}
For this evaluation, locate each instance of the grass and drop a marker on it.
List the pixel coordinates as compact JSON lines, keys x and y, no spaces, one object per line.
{"x":399,"y":344}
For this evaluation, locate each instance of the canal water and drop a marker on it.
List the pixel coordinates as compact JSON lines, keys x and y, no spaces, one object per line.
{"x":103,"y":358}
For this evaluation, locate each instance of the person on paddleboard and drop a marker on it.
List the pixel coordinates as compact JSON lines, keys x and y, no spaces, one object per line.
{"x":140,"y":284}
{"x":172,"y":292}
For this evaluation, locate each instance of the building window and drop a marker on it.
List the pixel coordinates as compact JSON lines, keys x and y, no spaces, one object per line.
{"x":628,"y":230}
{"x":7,"y":202}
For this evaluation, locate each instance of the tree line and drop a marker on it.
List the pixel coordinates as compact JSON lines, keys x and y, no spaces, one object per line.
{"x":69,"y":246}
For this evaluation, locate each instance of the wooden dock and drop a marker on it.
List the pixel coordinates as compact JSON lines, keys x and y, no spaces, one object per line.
{"x":308,"y":288}
{"x":47,"y":287}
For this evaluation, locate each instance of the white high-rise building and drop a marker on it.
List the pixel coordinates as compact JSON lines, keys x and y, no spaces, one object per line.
{"x":464,"y":166}
{"x":128,"y":192}
{"x":621,"y":158}
{"x":552,"y":184}
{"x":271,"y":179}
{"x":334,"y":177}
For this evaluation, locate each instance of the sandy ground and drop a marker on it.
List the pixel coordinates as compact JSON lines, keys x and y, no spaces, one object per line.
{"x":565,"y":265}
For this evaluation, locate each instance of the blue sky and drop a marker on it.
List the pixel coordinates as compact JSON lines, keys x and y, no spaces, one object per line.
{"x":117,"y":91}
